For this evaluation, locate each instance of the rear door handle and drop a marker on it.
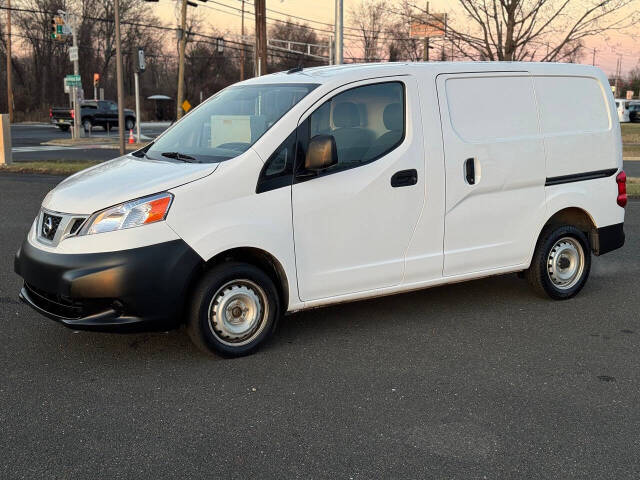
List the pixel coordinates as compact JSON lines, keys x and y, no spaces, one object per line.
{"x":470,"y":171}
{"x":404,"y":178}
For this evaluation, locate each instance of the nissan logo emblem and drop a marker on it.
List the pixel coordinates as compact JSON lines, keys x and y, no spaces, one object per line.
{"x":47,"y":226}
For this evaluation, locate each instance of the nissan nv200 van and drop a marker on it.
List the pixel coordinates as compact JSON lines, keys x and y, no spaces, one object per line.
{"x":317,"y":186}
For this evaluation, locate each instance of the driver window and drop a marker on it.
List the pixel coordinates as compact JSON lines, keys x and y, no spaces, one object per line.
{"x":366,"y":122}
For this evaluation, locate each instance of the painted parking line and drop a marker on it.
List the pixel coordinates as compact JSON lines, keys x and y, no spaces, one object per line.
{"x":50,"y":148}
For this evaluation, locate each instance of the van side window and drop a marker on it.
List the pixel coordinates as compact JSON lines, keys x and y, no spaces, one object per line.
{"x":278,"y":169}
{"x":366,"y":122}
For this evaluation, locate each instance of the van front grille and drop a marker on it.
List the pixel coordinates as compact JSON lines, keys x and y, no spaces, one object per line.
{"x":50,"y":224}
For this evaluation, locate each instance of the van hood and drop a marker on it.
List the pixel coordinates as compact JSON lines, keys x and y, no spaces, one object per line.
{"x":120,"y":180}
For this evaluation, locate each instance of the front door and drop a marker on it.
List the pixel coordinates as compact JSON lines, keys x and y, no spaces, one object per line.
{"x":354,"y":221}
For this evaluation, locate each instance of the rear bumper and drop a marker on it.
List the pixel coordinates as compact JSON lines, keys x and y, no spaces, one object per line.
{"x":608,"y":238}
{"x":137,"y":288}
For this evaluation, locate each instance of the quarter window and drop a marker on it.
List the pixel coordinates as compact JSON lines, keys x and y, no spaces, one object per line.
{"x":366,"y":122}
{"x":278,"y":169}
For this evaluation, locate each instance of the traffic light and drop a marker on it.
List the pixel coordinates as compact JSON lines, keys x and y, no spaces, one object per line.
{"x":96,"y":79}
{"x":58,"y":30}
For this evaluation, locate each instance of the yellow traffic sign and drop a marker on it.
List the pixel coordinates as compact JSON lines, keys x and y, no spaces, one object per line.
{"x":186,"y":106}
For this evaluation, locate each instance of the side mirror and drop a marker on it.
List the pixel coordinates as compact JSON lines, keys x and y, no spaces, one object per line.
{"x":322,"y":153}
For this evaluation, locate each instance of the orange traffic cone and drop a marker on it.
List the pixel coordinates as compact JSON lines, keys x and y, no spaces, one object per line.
{"x":131,"y":140}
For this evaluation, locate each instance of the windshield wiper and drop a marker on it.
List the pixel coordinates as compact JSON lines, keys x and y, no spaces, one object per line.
{"x":183,"y":157}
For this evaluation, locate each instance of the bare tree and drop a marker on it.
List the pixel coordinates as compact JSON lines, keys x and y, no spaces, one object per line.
{"x":542,"y":30}
{"x":293,"y":32}
{"x":401,"y":46}
{"x":370,"y":19}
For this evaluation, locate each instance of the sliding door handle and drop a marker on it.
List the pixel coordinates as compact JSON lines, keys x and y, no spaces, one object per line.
{"x":404,"y":178}
{"x":470,"y":171}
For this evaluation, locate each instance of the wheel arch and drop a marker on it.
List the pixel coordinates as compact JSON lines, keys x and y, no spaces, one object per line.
{"x":253,"y":256}
{"x":576,"y":216}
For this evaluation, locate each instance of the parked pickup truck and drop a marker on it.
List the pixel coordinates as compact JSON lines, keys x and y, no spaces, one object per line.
{"x":101,"y":113}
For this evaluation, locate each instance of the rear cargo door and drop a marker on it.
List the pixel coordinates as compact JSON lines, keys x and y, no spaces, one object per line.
{"x":494,"y":169}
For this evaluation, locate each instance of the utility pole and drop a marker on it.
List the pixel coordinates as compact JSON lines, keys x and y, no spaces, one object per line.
{"x":9,"y":87}
{"x":116,"y":7}
{"x":338,"y":32}
{"x":183,"y":43}
{"x":261,"y":37}
{"x":242,"y":50}
{"x":141,"y":66}
{"x":425,"y":53}
{"x":618,"y":73}
{"x":77,"y":112}
{"x":331,"y":59}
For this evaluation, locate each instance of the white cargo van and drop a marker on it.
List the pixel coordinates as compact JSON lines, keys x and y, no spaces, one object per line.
{"x":325,"y":185}
{"x":622,"y":106}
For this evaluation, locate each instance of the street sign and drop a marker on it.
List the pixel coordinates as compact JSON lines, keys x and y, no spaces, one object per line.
{"x":141,"y":65}
{"x":186,"y":106}
{"x":629,"y":94}
{"x":429,"y":25}
{"x":73,"y":81}
{"x":73,"y":53}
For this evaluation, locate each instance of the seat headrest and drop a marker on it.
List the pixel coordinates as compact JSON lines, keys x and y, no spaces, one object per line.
{"x":392,"y":116}
{"x":346,"y":114}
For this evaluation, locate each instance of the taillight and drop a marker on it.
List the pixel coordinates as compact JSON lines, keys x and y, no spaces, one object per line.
{"x":73,"y":114}
{"x":621,"y":180}
{"x":50,"y":113}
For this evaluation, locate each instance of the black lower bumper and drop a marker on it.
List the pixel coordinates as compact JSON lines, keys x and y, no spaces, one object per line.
{"x":608,"y":238}
{"x":128,"y":289}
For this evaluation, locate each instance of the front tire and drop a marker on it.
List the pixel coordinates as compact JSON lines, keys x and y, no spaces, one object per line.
{"x":87,"y":125}
{"x":561,"y":263}
{"x":234,"y":309}
{"x":129,"y":124}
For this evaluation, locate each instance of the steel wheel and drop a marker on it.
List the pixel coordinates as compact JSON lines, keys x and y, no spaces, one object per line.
{"x":238,"y":312}
{"x":565,"y":263}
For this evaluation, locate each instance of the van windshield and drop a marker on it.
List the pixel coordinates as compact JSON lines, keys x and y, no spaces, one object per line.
{"x":229,"y":123}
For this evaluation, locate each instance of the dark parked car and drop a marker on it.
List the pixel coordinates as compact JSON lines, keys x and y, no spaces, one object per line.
{"x":634,"y":112}
{"x":101,"y":113}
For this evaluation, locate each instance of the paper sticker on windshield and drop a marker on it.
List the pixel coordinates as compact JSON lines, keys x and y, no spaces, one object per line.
{"x":229,"y":129}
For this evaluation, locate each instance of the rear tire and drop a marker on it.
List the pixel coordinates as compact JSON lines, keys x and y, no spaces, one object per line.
{"x":561,"y":263}
{"x":87,"y":125}
{"x":129,"y":124}
{"x":234,"y":309}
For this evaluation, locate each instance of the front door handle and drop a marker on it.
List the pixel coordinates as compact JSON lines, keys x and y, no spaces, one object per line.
{"x":404,"y":178}
{"x":470,"y":171}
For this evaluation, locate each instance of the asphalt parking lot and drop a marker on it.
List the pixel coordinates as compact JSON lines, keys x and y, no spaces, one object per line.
{"x":474,"y":380}
{"x":27,"y":142}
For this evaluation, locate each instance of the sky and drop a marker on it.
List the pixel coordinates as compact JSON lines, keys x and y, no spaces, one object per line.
{"x":224,"y":16}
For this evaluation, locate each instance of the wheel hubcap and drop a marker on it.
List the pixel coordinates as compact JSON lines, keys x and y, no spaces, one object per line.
{"x":237,"y":312}
{"x":565,"y":263}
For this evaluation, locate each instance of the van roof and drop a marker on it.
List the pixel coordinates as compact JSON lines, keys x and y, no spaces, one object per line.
{"x":355,"y":71}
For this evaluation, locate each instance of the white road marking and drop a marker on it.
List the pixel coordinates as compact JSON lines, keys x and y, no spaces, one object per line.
{"x":49,"y":148}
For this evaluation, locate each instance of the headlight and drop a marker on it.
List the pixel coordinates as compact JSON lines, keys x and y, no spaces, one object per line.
{"x":129,"y":214}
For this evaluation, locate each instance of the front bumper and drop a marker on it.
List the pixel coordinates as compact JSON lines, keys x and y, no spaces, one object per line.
{"x":140,"y":287}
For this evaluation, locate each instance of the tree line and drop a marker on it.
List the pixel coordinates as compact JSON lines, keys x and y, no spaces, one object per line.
{"x":376,"y":30}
